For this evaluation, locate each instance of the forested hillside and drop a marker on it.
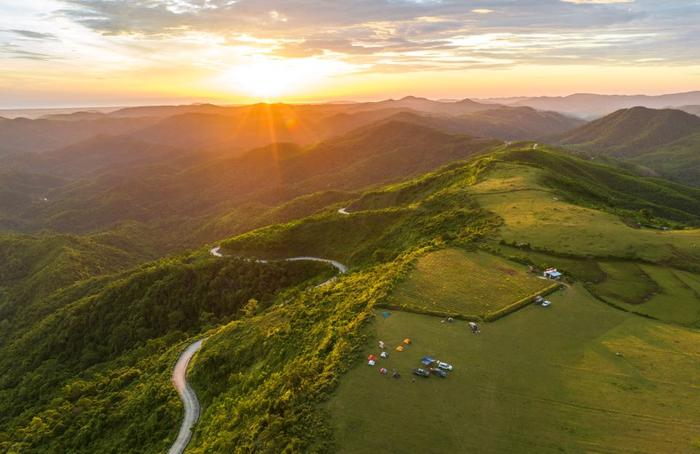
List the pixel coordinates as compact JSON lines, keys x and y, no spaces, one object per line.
{"x":108,"y":343}
{"x":661,"y":142}
{"x":100,"y":292}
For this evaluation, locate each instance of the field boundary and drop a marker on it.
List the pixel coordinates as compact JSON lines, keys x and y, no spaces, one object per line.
{"x":489,"y":317}
{"x":495,"y":315}
{"x":418,"y":310}
{"x":591,"y":291}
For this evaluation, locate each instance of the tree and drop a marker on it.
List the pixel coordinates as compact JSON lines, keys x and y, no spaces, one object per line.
{"x":250,"y":308}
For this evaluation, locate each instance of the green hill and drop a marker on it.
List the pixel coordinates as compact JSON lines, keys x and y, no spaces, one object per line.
{"x":659,"y":142}
{"x":92,"y":375}
{"x":539,"y":225}
{"x":36,"y":266}
{"x":679,"y":160}
{"x":630,"y":132}
{"x":88,"y":370}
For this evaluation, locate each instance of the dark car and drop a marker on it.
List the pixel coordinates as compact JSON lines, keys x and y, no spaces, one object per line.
{"x":439,"y":372}
{"x":421,"y":372}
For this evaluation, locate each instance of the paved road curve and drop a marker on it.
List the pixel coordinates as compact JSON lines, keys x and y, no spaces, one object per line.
{"x":216,"y":252}
{"x":188,"y":397}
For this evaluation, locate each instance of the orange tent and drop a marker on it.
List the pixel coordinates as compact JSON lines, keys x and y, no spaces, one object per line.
{"x":407,"y":341}
{"x":399,"y":348}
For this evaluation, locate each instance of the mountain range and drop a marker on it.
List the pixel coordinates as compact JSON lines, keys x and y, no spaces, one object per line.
{"x":284,"y":241}
{"x":589,"y":105}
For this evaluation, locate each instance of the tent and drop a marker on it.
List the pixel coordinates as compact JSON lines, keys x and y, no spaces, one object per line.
{"x":383,"y":371}
{"x":407,"y":341}
{"x":386,"y":314}
{"x":399,"y":348}
{"x":371,"y":362}
{"x":427,"y":360}
{"x":384,"y":354}
{"x":371,"y":358}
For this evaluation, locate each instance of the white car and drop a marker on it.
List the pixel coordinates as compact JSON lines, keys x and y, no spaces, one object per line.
{"x":546,"y":303}
{"x":444,"y":366}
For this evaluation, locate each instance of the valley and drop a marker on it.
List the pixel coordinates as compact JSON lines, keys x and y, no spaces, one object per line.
{"x":293,"y":260}
{"x":357,"y":226}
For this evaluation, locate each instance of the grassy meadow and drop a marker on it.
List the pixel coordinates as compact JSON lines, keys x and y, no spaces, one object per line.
{"x":535,"y":215}
{"x":469,"y":283}
{"x":539,"y":380}
{"x":664,"y":293}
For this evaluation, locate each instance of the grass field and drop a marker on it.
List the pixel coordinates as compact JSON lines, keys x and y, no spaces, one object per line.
{"x":627,"y":283}
{"x":539,"y":380}
{"x":466,"y":283}
{"x":534,"y":214}
{"x":664,"y":293}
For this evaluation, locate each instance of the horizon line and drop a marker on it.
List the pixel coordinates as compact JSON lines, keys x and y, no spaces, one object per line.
{"x":222,"y":103}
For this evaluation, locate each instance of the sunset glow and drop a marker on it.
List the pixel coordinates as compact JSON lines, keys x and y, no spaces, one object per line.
{"x":222,"y":51}
{"x":271,"y":79}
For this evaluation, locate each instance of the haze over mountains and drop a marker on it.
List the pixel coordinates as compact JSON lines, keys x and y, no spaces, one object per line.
{"x":357,"y":226}
{"x":590,"y":105}
{"x":82,"y":171}
{"x":108,"y":219}
{"x":582,"y":105}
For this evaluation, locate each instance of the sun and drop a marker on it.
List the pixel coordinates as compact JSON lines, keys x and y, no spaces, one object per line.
{"x":262,"y":79}
{"x":271,"y":78}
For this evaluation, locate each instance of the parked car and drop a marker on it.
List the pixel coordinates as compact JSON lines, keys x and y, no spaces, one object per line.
{"x":421,"y":372}
{"x":444,"y":366}
{"x":439,"y":372}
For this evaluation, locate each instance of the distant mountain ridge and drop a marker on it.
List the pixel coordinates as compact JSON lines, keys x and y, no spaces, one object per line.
{"x":255,"y":125}
{"x":629,"y":132}
{"x":665,"y":141}
{"x":587,"y":105}
{"x":695,"y":110}
{"x":460,"y":107}
{"x":503,"y":123}
{"x":273,"y":174}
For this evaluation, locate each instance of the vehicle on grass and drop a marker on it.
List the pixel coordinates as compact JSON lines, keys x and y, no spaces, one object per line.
{"x":439,"y":372}
{"x":421,"y":373}
{"x":444,"y":366}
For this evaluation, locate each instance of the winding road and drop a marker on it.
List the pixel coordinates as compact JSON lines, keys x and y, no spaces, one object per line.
{"x":179,"y":378}
{"x":188,"y":397}
{"x":216,"y":252}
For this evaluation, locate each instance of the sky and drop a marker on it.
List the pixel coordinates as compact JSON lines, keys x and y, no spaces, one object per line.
{"x":64,"y":53}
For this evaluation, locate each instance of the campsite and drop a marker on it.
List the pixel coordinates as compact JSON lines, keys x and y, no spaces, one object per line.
{"x":572,"y":369}
{"x":552,"y":366}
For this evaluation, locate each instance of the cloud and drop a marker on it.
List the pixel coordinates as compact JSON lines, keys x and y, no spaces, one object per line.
{"x":33,"y":35}
{"x":597,"y":2}
{"x":14,"y":52}
{"x":384,"y":35}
